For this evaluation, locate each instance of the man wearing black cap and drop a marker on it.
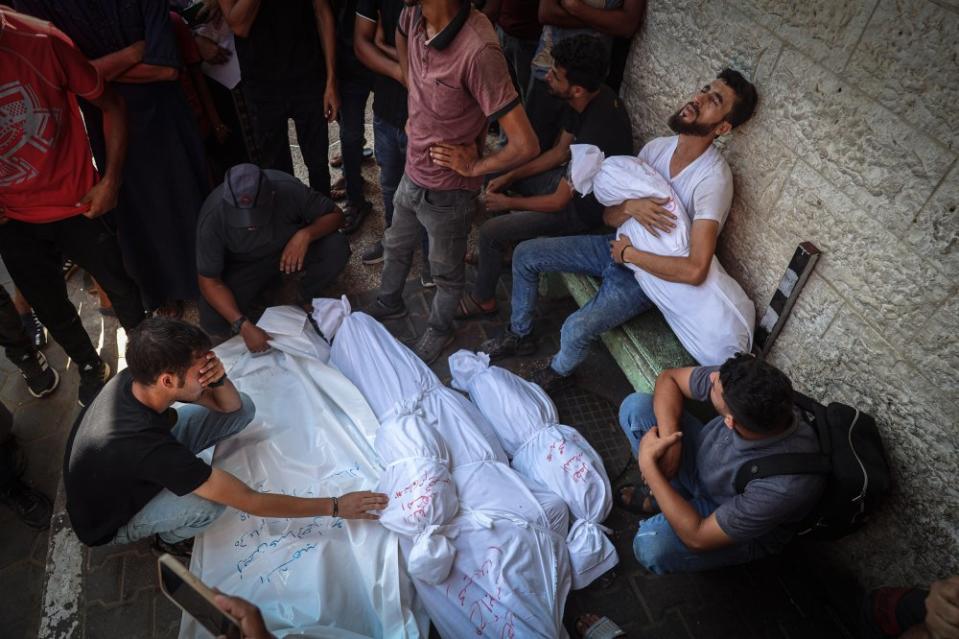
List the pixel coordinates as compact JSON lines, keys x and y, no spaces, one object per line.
{"x":253,"y":228}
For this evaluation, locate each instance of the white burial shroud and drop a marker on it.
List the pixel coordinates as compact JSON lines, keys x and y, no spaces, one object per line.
{"x":510,"y":573}
{"x":714,"y":320}
{"x":312,"y":434}
{"x":552,"y":454}
{"x":422,"y":494}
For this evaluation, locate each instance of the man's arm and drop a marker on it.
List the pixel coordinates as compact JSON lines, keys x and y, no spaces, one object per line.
{"x":385,"y":47}
{"x":691,"y":269}
{"x":672,"y":389}
{"x":240,"y":15}
{"x":521,"y":146}
{"x":113,"y":65}
{"x":371,"y":55}
{"x":223,"y":398}
{"x":556,"y":156}
{"x":622,"y":22}
{"x":103,"y":196}
{"x":326,"y":26}
{"x":402,"y":54}
{"x":551,"y":203}
{"x":224,"y":488}
{"x":552,"y":12}
{"x":220,"y":297}
{"x":294,"y":253}
{"x":698,"y":533}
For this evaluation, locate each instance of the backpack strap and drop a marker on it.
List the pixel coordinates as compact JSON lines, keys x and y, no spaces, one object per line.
{"x":820,"y":419}
{"x":782,"y":464}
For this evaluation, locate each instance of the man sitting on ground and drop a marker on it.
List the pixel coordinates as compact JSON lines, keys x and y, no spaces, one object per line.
{"x":546,"y":206}
{"x":253,"y":228}
{"x":690,"y":468}
{"x":131,"y":468}
{"x":700,"y":176}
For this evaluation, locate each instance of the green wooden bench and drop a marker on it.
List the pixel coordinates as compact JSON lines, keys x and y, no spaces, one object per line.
{"x":643,"y":347}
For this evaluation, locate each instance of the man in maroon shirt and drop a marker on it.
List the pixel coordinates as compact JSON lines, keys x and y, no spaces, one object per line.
{"x":458,"y":81}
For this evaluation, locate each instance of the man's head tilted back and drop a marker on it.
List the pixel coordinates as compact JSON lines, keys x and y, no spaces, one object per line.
{"x":718,"y":107}
{"x":753,"y":395}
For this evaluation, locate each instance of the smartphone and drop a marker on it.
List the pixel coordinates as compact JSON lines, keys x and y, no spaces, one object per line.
{"x":195,"y":598}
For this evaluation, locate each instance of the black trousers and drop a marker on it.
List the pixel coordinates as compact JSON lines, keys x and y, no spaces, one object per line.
{"x":271,"y":109}
{"x":250,"y":281}
{"x":13,"y":339}
{"x":8,"y":448}
{"x":33,"y":254}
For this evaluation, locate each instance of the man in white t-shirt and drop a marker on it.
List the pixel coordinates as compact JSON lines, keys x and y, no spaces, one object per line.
{"x":702,"y":179}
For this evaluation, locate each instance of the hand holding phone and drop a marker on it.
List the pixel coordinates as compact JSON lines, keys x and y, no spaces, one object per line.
{"x":196,"y":599}
{"x":251,"y":621}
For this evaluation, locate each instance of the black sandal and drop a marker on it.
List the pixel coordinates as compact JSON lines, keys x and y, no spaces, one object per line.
{"x":634,"y":505}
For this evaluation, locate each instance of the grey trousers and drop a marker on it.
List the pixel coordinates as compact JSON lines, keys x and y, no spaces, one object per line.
{"x":446,"y":216}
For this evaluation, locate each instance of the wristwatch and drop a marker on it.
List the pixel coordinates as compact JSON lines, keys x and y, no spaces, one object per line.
{"x":238,"y":324}
{"x":218,"y":382}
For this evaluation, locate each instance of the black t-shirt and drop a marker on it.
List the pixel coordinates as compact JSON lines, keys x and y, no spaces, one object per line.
{"x":219,"y":245}
{"x":119,"y":457}
{"x":283,"y":52}
{"x":603,"y":123}
{"x":389,"y":96}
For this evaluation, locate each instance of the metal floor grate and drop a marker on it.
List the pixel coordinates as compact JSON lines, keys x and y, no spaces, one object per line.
{"x":598,"y":421}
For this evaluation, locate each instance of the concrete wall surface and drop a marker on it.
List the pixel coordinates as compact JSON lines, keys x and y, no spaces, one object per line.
{"x":854,"y":147}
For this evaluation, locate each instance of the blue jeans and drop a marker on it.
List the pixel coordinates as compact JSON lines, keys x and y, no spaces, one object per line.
{"x":354,"y":92}
{"x":176,"y":518}
{"x":656,"y":545}
{"x":618,"y":300}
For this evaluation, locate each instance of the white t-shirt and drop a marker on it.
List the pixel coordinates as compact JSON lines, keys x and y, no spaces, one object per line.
{"x":715,"y":319}
{"x":705,"y":186}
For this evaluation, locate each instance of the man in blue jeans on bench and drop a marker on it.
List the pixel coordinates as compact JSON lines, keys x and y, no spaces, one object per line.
{"x":697,"y":521}
{"x":700,"y":177}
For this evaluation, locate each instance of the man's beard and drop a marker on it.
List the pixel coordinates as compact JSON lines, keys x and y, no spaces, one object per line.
{"x":558,"y":94}
{"x":697,"y":129}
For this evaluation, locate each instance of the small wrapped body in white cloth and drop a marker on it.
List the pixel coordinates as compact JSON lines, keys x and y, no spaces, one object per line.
{"x":550,"y":453}
{"x":489,"y":565}
{"x":714,"y":320}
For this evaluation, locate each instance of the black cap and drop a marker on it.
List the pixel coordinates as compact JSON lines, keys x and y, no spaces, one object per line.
{"x":247,"y":196}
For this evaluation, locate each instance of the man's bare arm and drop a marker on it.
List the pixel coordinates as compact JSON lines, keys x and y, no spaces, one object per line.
{"x":240,"y":15}
{"x":554,"y":157}
{"x":551,"y":12}
{"x":402,"y":54}
{"x":521,"y":146}
{"x":622,"y":22}
{"x":113,"y":65}
{"x":369,"y":53}
{"x":691,"y":269}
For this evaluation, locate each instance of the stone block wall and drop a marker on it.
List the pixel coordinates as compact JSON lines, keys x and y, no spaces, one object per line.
{"x":854,"y":147}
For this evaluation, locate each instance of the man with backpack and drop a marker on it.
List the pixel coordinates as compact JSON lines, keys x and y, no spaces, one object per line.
{"x":698,"y":519}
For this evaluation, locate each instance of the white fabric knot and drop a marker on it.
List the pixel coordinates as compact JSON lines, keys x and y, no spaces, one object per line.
{"x":432,"y":554}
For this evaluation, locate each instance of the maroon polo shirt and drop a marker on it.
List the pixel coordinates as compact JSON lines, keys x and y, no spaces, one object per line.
{"x":458,"y":81}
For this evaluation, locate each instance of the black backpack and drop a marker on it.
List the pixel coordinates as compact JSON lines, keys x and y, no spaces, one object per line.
{"x":852,"y":459}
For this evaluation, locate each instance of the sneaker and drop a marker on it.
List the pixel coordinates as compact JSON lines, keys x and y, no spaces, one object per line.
{"x":41,"y":378}
{"x":92,"y":379}
{"x":30,"y":505}
{"x":431,"y":344}
{"x":374,"y":254}
{"x":182,"y":549}
{"x":68,"y":268}
{"x":34,"y":329}
{"x":549,"y":380}
{"x":509,"y":344}
{"x":381,"y":311}
{"x":353,"y":215}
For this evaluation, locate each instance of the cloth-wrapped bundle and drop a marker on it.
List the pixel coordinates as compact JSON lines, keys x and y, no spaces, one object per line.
{"x":389,"y":375}
{"x":554,"y":455}
{"x":714,"y":320}
{"x":422,"y":494}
